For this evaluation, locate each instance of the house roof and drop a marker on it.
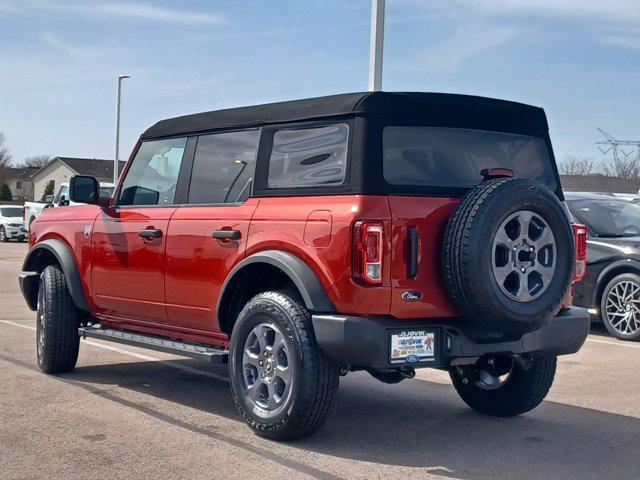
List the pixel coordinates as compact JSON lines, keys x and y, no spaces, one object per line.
{"x":20,"y":173}
{"x":95,"y":167}
{"x":439,"y":108}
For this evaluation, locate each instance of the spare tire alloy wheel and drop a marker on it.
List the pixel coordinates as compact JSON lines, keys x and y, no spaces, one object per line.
{"x":507,"y":257}
{"x":524,"y":251}
{"x":267,"y":367}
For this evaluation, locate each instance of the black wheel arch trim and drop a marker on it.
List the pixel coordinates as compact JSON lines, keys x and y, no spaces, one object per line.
{"x":30,"y":275}
{"x":302,"y":275}
{"x":627,"y":265}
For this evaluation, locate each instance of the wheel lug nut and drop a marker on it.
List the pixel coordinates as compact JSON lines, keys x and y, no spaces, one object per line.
{"x":531,"y":249}
{"x":261,"y":363}
{"x":523,"y":269}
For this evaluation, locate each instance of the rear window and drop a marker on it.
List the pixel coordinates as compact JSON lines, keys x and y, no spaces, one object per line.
{"x":454,"y":157}
{"x":309,"y":157}
{"x":11,"y":212}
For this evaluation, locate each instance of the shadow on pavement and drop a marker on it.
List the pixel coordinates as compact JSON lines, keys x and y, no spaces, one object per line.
{"x":421,"y":424}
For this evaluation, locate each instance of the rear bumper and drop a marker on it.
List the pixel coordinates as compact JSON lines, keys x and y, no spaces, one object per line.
{"x":365,"y":342}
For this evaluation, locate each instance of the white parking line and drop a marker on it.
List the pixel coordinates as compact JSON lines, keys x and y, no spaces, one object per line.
{"x":129,"y":353}
{"x":617,"y":344}
{"x":197,"y":371}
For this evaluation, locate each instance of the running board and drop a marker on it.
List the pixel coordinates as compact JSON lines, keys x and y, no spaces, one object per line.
{"x":207,"y":353}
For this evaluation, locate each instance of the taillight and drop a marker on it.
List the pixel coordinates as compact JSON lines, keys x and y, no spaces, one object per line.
{"x":367,"y":251}
{"x":580,"y":242}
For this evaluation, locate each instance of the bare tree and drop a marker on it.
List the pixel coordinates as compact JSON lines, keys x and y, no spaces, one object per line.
{"x":5,"y":157}
{"x":577,"y":166}
{"x":623,"y":167}
{"x":36,"y":161}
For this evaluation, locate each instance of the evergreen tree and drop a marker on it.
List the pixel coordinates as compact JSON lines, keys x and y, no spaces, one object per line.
{"x":48,"y":190}
{"x":5,"y":193}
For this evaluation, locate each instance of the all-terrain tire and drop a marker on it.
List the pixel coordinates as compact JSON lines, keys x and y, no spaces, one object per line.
{"x":57,"y":340}
{"x":524,"y":389}
{"x":467,"y":257}
{"x":315,"y":376}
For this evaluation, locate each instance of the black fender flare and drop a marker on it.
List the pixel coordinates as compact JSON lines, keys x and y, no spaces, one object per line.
{"x":623,"y":264}
{"x":302,"y":275}
{"x":29,"y":278}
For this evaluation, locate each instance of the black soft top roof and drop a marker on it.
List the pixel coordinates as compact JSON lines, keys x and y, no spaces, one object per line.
{"x":439,"y":108}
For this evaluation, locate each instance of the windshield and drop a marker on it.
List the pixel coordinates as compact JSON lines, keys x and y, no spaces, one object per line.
{"x":454,"y":157}
{"x":11,"y":212}
{"x":608,"y":218}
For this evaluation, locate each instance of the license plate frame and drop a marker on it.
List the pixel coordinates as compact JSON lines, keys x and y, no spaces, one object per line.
{"x":415,"y":350}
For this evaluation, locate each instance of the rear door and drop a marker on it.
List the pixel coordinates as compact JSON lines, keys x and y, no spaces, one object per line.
{"x":429,"y":169}
{"x":129,"y":239}
{"x":207,"y":236}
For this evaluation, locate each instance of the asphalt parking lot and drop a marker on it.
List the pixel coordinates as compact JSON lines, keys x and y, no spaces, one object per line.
{"x":131,"y":413}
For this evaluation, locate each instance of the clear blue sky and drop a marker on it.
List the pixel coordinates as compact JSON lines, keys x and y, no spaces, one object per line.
{"x":579,"y":59}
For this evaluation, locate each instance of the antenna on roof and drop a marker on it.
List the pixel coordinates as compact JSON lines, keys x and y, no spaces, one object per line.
{"x":376,"y":45}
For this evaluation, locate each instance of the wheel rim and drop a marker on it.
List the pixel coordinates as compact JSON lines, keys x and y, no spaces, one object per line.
{"x":2,"y":234}
{"x":267,"y":370}
{"x":524,"y":256}
{"x":622,"y":307}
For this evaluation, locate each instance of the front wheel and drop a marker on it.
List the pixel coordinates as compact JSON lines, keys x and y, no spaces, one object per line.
{"x":3,"y":235}
{"x":57,"y":340}
{"x":282,"y":384}
{"x":502,"y":387}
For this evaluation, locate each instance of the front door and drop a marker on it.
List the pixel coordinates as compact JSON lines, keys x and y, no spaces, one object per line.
{"x":129,"y":238}
{"x":207,"y":237}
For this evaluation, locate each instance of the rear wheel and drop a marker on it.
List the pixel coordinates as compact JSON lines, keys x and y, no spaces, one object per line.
{"x":57,"y":340}
{"x":502,"y":387}
{"x":283,"y":385}
{"x":620,"y":307}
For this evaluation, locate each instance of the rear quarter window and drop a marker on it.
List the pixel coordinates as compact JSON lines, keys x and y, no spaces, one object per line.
{"x":454,"y":157}
{"x":309,"y":157}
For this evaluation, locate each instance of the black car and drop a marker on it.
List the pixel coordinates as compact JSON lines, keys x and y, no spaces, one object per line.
{"x":611,"y":286}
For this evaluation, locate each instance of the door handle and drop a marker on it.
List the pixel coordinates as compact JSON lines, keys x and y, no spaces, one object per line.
{"x":150,"y":233}
{"x":226,"y":234}
{"x":412,"y":265}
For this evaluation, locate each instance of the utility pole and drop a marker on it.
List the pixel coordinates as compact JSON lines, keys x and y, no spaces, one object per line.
{"x":117,"y":159}
{"x":376,"y":45}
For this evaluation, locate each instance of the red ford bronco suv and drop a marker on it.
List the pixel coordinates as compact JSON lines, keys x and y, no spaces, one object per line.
{"x":299,"y":241}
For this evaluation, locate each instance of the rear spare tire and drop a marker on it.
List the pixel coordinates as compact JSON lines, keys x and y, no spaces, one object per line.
{"x":508,"y":256}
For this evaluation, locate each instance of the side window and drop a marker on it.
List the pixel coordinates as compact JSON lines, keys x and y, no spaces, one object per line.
{"x":309,"y":157}
{"x":153,"y":175}
{"x":63,"y":194}
{"x":223,"y":167}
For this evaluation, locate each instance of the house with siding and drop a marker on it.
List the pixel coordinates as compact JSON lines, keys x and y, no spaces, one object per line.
{"x":20,"y":182}
{"x":61,"y":169}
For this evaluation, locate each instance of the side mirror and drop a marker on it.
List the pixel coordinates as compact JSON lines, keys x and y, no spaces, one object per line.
{"x":84,"y":189}
{"x":48,"y":199}
{"x":63,"y":202}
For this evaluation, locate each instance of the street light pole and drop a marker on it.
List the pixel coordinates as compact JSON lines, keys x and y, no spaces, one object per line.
{"x":117,"y":159}
{"x":376,"y":45}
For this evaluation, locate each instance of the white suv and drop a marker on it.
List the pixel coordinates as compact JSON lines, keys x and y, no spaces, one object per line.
{"x":12,"y":223}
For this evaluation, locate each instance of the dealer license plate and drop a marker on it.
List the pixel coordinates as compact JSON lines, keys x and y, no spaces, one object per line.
{"x":411,"y":346}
